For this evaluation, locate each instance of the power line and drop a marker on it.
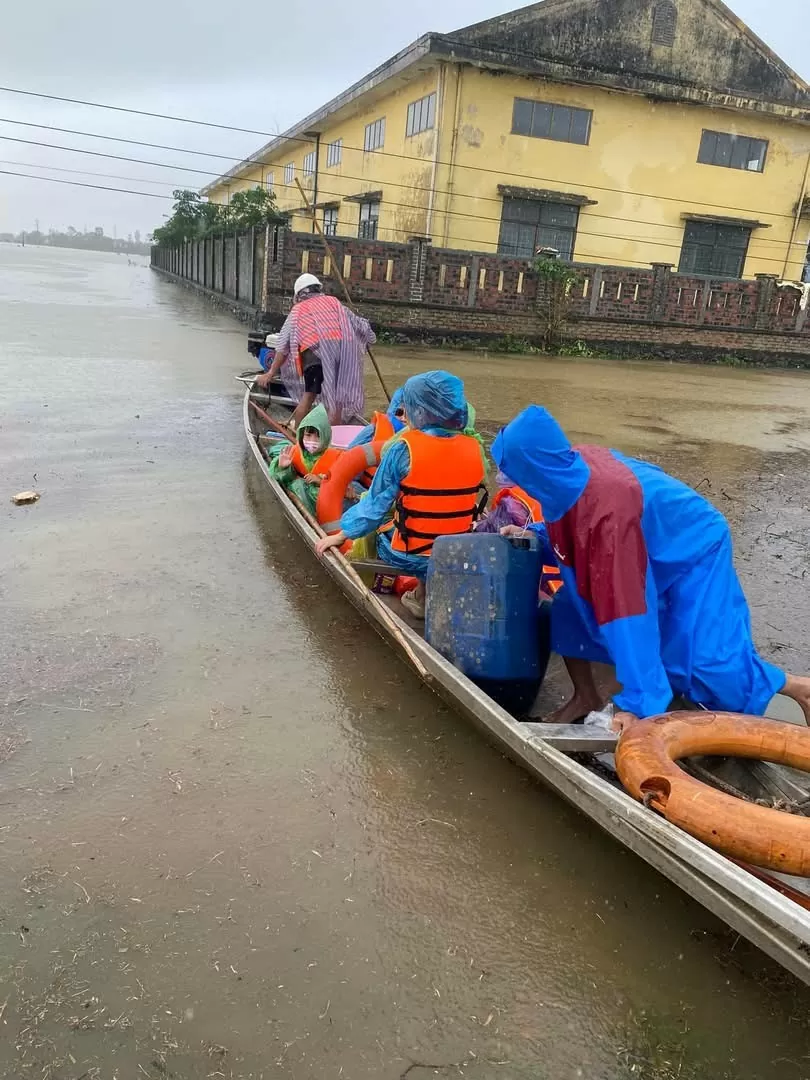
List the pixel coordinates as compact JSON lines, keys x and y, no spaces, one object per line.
{"x":472,"y":217}
{"x":118,"y":139}
{"x":100,"y":154}
{"x":87,"y":172}
{"x":255,"y":160}
{"x":135,"y":112}
{"x":579,"y":231}
{"x":403,"y":205}
{"x":77,"y":183}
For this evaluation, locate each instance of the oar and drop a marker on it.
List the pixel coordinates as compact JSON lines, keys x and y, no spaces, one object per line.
{"x":340,"y":278}
{"x":269,"y":420}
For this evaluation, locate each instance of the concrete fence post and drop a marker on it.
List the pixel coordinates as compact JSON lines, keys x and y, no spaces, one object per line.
{"x":252,"y":270}
{"x":236,"y":239}
{"x":763,"y":319}
{"x":662,"y":276}
{"x":596,"y":291}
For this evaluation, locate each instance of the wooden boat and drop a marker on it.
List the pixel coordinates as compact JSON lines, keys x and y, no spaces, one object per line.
{"x":769,"y":909}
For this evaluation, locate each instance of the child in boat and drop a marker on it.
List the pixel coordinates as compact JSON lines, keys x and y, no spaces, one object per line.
{"x":301,"y":466}
{"x":430,"y":477}
{"x":510,"y":506}
{"x":514,"y":510}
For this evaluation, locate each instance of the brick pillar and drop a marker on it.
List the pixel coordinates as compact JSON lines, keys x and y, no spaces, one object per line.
{"x":419,"y":254}
{"x":662,"y":275}
{"x":765,"y":295}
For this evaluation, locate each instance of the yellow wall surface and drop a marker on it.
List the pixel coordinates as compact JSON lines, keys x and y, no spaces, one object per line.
{"x":402,"y":169}
{"x":640,"y":168}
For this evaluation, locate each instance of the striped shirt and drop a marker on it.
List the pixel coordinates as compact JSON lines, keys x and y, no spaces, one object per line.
{"x":339,"y":337}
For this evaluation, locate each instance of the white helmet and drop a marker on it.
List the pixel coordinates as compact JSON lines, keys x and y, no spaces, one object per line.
{"x":271,"y":341}
{"x":305,"y":281}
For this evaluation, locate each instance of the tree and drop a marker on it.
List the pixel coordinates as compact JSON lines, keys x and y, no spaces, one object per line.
{"x":252,"y":208}
{"x":183,"y":223}
{"x":193,"y":218}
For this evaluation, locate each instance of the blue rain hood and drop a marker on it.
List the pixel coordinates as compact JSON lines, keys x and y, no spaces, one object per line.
{"x":534,"y":451}
{"x":435,"y":399}
{"x":396,"y":403}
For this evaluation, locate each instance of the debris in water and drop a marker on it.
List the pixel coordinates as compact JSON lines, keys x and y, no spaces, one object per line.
{"x":25,"y":498}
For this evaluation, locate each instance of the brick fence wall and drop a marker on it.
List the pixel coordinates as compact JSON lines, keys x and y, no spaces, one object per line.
{"x":424,"y":291}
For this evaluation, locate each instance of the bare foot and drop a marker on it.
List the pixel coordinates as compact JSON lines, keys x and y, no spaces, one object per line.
{"x":579,"y":705}
{"x":797,"y":687}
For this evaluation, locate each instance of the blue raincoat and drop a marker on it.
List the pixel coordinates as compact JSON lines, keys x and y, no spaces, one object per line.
{"x":649,"y":574}
{"x":367,"y":434}
{"x":435,"y":404}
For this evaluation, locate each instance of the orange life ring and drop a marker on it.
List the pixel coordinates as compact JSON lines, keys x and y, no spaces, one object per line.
{"x":646,"y":761}
{"x":332,"y":491}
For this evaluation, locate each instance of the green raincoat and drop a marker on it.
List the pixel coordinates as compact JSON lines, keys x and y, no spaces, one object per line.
{"x":289,"y":479}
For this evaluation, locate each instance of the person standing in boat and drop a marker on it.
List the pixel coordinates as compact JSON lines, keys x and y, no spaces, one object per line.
{"x":430,"y":476}
{"x":319,"y":354}
{"x":650,"y":585}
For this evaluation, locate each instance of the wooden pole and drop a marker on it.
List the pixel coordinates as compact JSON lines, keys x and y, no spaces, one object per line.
{"x":340,"y":278}
{"x":269,"y":420}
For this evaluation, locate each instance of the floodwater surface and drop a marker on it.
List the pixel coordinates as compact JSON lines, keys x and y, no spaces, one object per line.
{"x":237,"y":837}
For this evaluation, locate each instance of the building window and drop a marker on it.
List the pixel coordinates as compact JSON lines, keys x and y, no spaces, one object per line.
{"x":732,"y":151}
{"x":330,"y":218}
{"x":334,"y":153}
{"x":375,"y":135}
{"x":713,"y":249}
{"x":542,"y":120}
{"x":270,"y":181}
{"x":309,"y":163}
{"x":528,"y":224}
{"x":369,"y":220}
{"x":421,"y":115}
{"x":665,"y":22}
{"x":289,"y":173}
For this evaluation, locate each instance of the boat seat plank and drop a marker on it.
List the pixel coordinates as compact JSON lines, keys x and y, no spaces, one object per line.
{"x":571,"y":738}
{"x":778,"y":781}
{"x":374,"y":566}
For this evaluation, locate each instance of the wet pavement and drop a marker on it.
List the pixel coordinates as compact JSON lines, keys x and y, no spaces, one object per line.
{"x":237,"y":837}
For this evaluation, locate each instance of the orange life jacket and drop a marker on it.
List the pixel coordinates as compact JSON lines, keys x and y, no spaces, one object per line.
{"x":383,"y":430}
{"x":321,"y":467}
{"x":439,"y":495}
{"x":533,"y":508}
{"x":383,"y":426}
{"x":318,"y":318}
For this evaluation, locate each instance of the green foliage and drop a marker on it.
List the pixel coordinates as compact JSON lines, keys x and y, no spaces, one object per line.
{"x":193,"y":218}
{"x":556,"y":280}
{"x":511,"y":344}
{"x":577,"y":348}
{"x":252,"y":208}
{"x":556,"y":271}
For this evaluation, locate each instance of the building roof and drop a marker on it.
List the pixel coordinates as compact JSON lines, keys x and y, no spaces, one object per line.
{"x":710,"y":58}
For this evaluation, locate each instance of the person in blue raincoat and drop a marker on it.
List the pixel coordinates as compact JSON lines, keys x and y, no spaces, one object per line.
{"x":431,"y":476}
{"x":383,"y":425}
{"x":650,"y":582}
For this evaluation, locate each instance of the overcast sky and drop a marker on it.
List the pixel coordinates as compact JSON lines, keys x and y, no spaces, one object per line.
{"x":251,"y":63}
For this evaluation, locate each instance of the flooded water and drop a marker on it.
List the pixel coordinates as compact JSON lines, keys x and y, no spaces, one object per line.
{"x":237,"y":838}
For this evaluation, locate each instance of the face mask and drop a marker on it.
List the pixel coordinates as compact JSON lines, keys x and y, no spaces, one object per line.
{"x":312,"y":444}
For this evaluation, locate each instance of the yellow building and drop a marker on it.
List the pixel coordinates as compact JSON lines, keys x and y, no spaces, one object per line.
{"x":614,"y":131}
